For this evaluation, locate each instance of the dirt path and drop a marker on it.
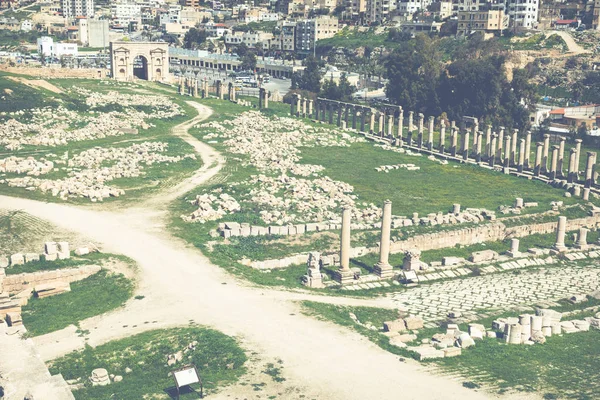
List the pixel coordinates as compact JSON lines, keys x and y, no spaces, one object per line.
{"x":180,"y":285}
{"x":574,"y":48}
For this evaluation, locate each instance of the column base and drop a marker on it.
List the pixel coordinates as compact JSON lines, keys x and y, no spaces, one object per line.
{"x":343,"y":277}
{"x":559,"y":248}
{"x":383,"y":270}
{"x":514,"y":254}
{"x":582,"y":246}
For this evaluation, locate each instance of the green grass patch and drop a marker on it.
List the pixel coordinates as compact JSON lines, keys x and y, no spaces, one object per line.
{"x":95,"y":295}
{"x":218,"y":358}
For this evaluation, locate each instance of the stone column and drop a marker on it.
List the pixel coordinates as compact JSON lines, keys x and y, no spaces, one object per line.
{"x":383,"y":269}
{"x":317,"y":110}
{"x":500,"y":143}
{"x":261,"y":97}
{"x":442,"y":136}
{"x":363,"y":112}
{"x":381,"y":122}
{"x":537,"y":169}
{"x":390,"y":126}
{"x":465,"y":150}
{"x":205,"y":88}
{"x":292,"y":105}
{"x":553,"y":163}
{"x":521,"y":164}
{"x":266,"y":99}
{"x":561,"y":228}
{"x":420,"y":131}
{"x":196,"y":88}
{"x":561,"y":157}
{"x":586,"y":194}
{"x":578,"y":147}
{"x":514,"y":248}
{"x":372,"y":122}
{"x":310,"y":107}
{"x":488,"y":141}
{"x":181,"y":86}
{"x":572,"y":174}
{"x":400,"y":123}
{"x":453,"y":148}
{"x":589,"y":169}
{"x":347,"y":115}
{"x":354,"y":115}
{"x":304,"y":104}
{"x":339,"y":114}
{"x":507,"y":151}
{"x":582,"y":239}
{"x":513,"y":149}
{"x":430,"y":127}
{"x":331,"y":109}
{"x":410,"y":127}
{"x":344,"y":275}
{"x":478,"y":149}
{"x":546,"y":152}
{"x":492,"y":158}
{"x":527,"y":150}
{"x":220,"y":90}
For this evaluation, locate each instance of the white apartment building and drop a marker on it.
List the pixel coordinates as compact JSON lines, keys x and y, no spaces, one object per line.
{"x":77,"y":8}
{"x":123,"y":12}
{"x":47,"y":48}
{"x":409,"y":7}
{"x":378,"y":11}
{"x":250,"y":39}
{"x":523,"y":13}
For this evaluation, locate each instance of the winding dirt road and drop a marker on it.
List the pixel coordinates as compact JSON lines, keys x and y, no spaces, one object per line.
{"x":180,"y":284}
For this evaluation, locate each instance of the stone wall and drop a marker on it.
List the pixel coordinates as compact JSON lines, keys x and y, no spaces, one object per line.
{"x":13,"y":284}
{"x":491,"y":232}
{"x":56,"y":72}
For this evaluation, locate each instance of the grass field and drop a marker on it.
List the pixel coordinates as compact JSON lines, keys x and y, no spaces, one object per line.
{"x":218,"y":358}
{"x":89,"y":297}
{"x":158,"y":176}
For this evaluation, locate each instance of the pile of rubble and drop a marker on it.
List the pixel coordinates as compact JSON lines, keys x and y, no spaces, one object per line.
{"x":282,"y":191}
{"x":211,"y":207}
{"x":29,"y":166}
{"x":88,"y":172}
{"x":56,"y":126}
{"x":388,"y":168}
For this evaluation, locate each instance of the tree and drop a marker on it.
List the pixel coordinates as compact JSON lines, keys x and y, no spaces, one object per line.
{"x":241,"y":49}
{"x":248,"y":62}
{"x":311,"y":77}
{"x":413,"y":72}
{"x":194,"y":38}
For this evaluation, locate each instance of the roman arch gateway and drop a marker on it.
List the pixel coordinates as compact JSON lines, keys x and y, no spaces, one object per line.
{"x":144,"y":60}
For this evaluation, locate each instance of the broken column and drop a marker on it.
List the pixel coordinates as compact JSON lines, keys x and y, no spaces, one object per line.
{"x":410,"y":127}
{"x":420,"y":130}
{"x":561,"y":228}
{"x":372,"y":122}
{"x":454,"y":136}
{"x":465,"y":151}
{"x":488,"y":141}
{"x":400,"y":123}
{"x":313,"y":278}
{"x":310,"y":107}
{"x":582,"y":239}
{"x":380,"y":124}
{"x":514,"y":248}
{"x":513,"y":149}
{"x":507,"y":150}
{"x":478,"y":147}
{"x":344,"y":275}
{"x":411,"y":260}
{"x":383,"y":269}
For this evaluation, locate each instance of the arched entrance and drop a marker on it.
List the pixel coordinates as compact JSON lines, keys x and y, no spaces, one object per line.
{"x":141,"y":60}
{"x":140,"y":67}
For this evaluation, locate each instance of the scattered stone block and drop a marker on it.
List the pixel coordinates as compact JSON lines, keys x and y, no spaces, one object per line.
{"x":14,"y":319}
{"x":413,"y":322}
{"x":465,"y":340}
{"x":3,"y":262}
{"x":448,"y":261}
{"x":50,"y":248}
{"x":100,"y":377}
{"x":394,"y":326}
{"x":17,"y":259}
{"x":31,"y":257}
{"x":484,"y":255}
{"x":452,"y":351}
{"x":82,"y":251}
{"x":427,"y":352}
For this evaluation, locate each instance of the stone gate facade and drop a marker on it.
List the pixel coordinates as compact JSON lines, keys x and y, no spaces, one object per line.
{"x":155,"y":58}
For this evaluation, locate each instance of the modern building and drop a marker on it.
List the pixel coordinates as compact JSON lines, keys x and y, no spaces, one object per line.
{"x":77,"y":8}
{"x":288,"y":36}
{"x":596,"y":15}
{"x":310,"y":30}
{"x":47,"y":48}
{"x":93,"y":32}
{"x":125,"y":12}
{"x":250,"y":39}
{"x":356,"y":8}
{"x":523,"y":13}
{"x":409,"y":7}
{"x":490,"y":21}
{"x":442,"y":9}
{"x":378,"y":11}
